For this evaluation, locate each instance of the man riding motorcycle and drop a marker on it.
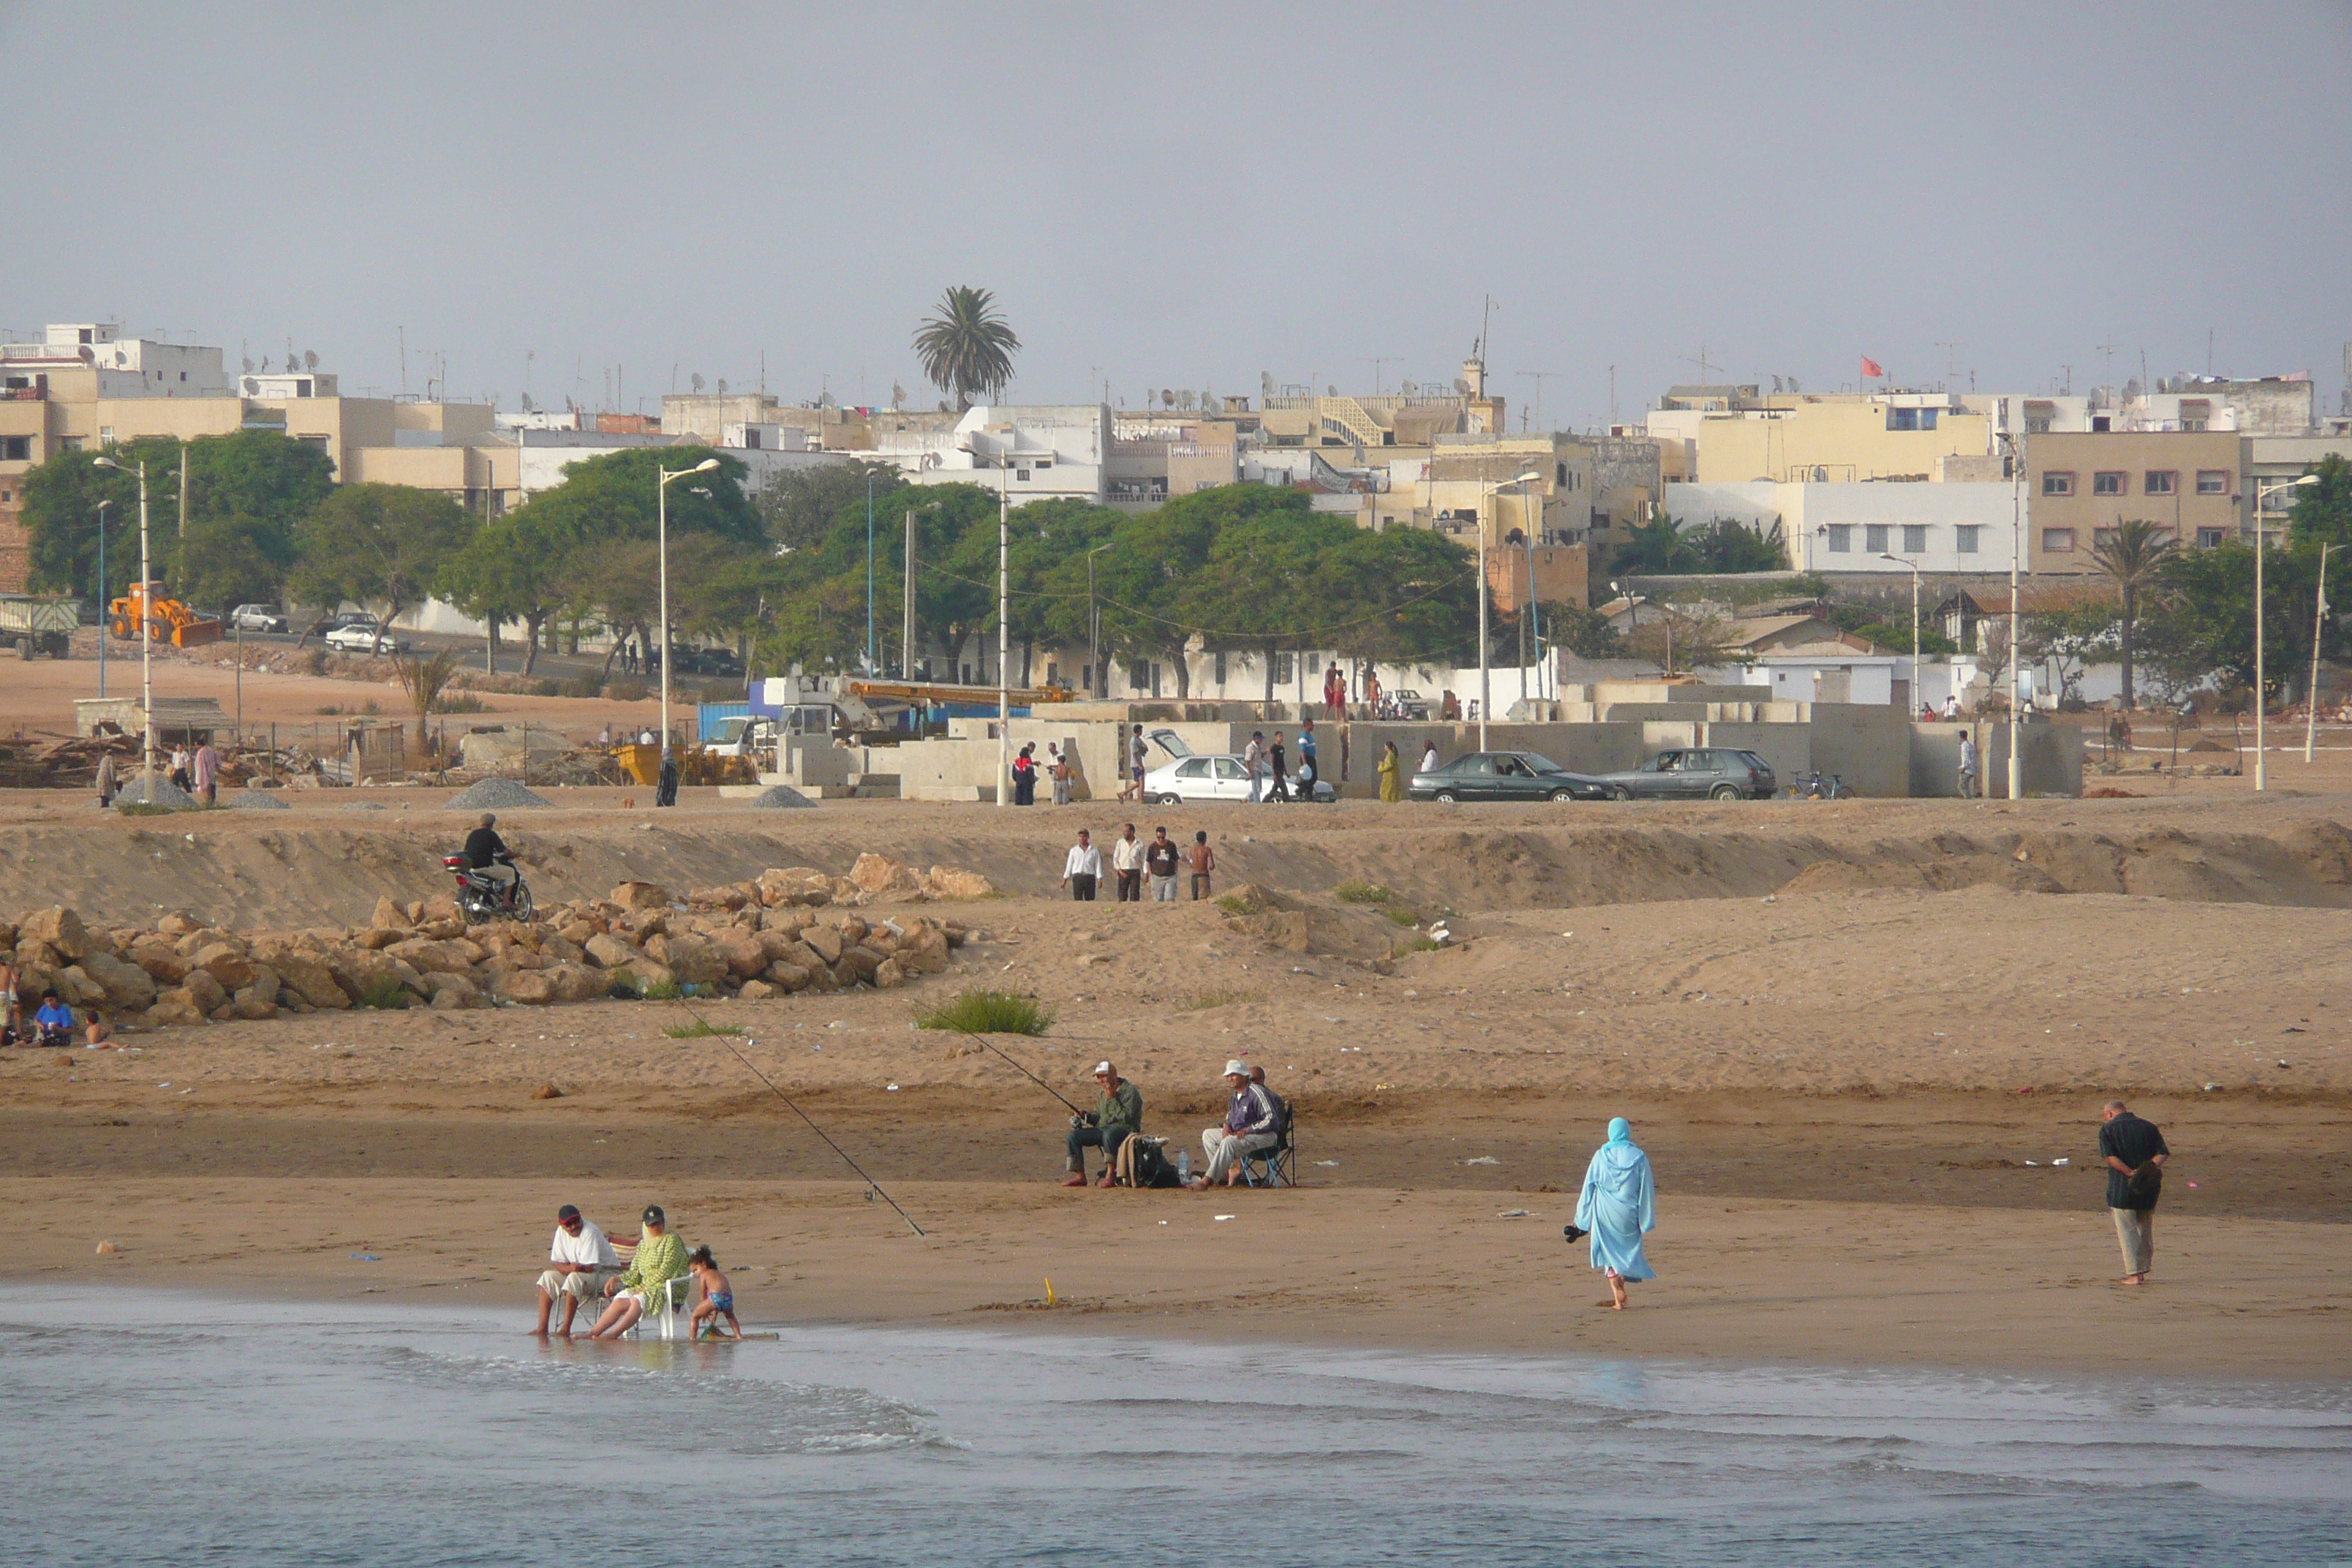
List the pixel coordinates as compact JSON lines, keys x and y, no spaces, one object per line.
{"x":488,"y":855}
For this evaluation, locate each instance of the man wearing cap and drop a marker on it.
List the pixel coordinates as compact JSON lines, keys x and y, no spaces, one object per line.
{"x":1110,"y":1124}
{"x":575,"y":1266}
{"x":1249,"y":1127}
{"x":660,"y":1258}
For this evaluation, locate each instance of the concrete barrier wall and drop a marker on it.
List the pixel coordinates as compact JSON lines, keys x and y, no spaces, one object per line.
{"x":1866,"y":744}
{"x":2052,"y":758}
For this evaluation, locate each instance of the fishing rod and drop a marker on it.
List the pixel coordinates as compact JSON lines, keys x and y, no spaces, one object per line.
{"x":804,"y":1116}
{"x":1031,"y":1077}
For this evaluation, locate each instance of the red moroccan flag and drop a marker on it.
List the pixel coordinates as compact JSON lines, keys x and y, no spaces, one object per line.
{"x":1870,"y":366}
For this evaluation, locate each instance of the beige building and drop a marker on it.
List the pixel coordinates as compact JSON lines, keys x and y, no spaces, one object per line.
{"x":1811,"y":439}
{"x":2080,"y":486}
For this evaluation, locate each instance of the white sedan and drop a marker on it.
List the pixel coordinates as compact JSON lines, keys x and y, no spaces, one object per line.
{"x":1200,"y":776}
{"x":364,"y":637}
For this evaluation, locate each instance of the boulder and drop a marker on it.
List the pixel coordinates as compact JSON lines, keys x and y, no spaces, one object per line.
{"x":372,"y":977}
{"x":645,"y":925}
{"x":824,"y":942}
{"x":255,"y":1003}
{"x":179,"y":923}
{"x":787,"y":918}
{"x":862,"y":959}
{"x":157,"y":958}
{"x":731,"y":897}
{"x":578,"y":982}
{"x":947,"y":882}
{"x":562,"y":951}
{"x":795,"y":885}
{"x":75,"y":987}
{"x":924,"y":950}
{"x":440,"y":983}
{"x":642,"y":976}
{"x":204,"y":991}
{"x":377,"y":938}
{"x":439,"y":907}
{"x":58,"y":928}
{"x":854,"y":929}
{"x":844,"y":973}
{"x":787,"y":977}
{"x":530,"y":987}
{"x":176,"y":1006}
{"x":308,"y":976}
{"x":693,"y":960}
{"x":442,"y":927}
{"x":128,"y":987}
{"x":641,"y":896}
{"x":758,"y":991}
{"x":226,"y":962}
{"x":889,"y":976}
{"x":390,"y":915}
{"x":423,"y":954}
{"x":745,"y":956}
{"x":611,"y":952}
{"x":578,"y":931}
{"x":880,"y":877}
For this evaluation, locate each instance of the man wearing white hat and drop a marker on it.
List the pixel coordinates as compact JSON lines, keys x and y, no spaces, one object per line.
{"x":1119,"y":1118}
{"x":1249,"y":1127}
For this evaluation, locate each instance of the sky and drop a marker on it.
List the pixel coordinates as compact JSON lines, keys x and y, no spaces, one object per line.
{"x":546,"y":197}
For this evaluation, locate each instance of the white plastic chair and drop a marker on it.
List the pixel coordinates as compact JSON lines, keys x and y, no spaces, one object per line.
{"x":677,"y":1308}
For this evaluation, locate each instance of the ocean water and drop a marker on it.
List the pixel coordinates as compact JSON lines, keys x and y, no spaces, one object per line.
{"x":148,"y":1427}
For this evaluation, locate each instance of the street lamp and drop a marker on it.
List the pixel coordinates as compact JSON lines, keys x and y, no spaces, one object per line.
{"x":661,"y":509}
{"x":2261,"y":493}
{"x":1485,"y":682}
{"x":146,"y":634}
{"x":907,"y":618}
{"x":869,"y":570}
{"x":1093,"y":640}
{"x":2016,"y":561}
{"x":101,"y":596}
{"x":1915,"y":619}
{"x":1004,"y":461}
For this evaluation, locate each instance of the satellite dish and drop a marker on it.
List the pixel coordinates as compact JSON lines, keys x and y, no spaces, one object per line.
{"x":1167,"y":398}
{"x":723,"y":386}
{"x":249,"y":364}
{"x":309,"y":359}
{"x":695,"y":381}
{"x":1461,"y":387}
{"x":1409,"y":389}
{"x":1331,"y":392}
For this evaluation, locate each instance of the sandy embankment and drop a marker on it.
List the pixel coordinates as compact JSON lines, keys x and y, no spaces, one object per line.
{"x":1828,"y":1081}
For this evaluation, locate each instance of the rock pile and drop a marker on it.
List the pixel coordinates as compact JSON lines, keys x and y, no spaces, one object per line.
{"x":755,"y":940}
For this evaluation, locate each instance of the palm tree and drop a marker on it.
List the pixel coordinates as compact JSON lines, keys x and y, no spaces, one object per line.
{"x":967,"y":348}
{"x":2130,"y":556}
{"x":1654,"y":548}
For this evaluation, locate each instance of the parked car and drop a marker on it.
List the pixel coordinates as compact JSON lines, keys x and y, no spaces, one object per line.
{"x":257,"y":619}
{"x":364,"y":633}
{"x":1504,"y":775}
{"x":1200,"y":776}
{"x":1699,"y":772}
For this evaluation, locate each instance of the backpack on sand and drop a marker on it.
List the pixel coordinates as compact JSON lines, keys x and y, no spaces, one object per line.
{"x":1142,"y":1162}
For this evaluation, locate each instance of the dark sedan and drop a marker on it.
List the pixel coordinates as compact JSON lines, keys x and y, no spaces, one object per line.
{"x":1504,"y":775}
{"x":1695,"y":773}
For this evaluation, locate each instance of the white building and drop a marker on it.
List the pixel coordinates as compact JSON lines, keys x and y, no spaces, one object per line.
{"x":1039,"y":451}
{"x":1962,"y":526}
{"x":277,"y":386}
{"x":127,"y":367}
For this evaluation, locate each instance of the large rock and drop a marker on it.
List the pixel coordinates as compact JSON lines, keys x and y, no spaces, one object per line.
{"x":578,"y":982}
{"x":374,"y":978}
{"x":947,"y":882}
{"x":176,"y":1006}
{"x":795,"y":885}
{"x":179,"y":923}
{"x":226,"y":963}
{"x":824,"y":942}
{"x":58,"y":928}
{"x":787,"y":977}
{"x":389,"y":915}
{"x":424,"y":954}
{"x":129,"y":988}
{"x":881,"y":877}
{"x":641,"y":896}
{"x":460,"y":991}
{"x":610,"y":952}
{"x":863,"y":959}
{"x":745,"y":954}
{"x":531,"y":987}
{"x":642,"y":976}
{"x":75,"y":987}
{"x":159,"y":959}
{"x":758,"y":991}
{"x":889,"y":976}
{"x":255,"y":1003}
{"x":693,"y":960}
{"x":308,"y":976}
{"x":206,"y":992}
{"x":924,"y":950}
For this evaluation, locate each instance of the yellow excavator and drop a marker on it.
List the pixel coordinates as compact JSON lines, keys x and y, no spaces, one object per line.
{"x":172,"y":621}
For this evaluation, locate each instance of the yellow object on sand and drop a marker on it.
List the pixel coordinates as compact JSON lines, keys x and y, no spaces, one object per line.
{"x":1049,"y":1293}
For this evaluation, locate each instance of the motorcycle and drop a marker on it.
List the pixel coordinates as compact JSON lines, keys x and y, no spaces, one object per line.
{"x":480,"y":899}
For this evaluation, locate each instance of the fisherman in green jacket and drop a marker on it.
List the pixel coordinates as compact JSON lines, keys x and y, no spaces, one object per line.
{"x":1119,"y":1118}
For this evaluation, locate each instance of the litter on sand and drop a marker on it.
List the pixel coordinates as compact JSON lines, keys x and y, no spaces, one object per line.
{"x":1512,"y":1213}
{"x":1483,"y":1160}
{"x":1225,"y":1217}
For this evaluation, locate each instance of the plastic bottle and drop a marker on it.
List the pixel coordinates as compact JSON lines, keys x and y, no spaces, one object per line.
{"x":1183,"y":1164}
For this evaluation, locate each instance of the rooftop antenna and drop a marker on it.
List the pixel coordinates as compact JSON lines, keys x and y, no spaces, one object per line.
{"x":404,"y":359}
{"x":2108,"y":376}
{"x":1376,"y":361}
{"x":1484,"y":316}
{"x":1701,"y":362}
{"x":1951,"y":361}
{"x":1538,"y":376}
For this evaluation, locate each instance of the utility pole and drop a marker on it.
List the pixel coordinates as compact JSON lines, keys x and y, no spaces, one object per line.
{"x":906,"y":617}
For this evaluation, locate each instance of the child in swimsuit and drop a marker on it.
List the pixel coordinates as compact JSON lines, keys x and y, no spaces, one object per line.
{"x":717,"y":1296}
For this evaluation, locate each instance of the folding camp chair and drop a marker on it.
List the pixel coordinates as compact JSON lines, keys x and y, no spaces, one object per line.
{"x":1276,"y":1166}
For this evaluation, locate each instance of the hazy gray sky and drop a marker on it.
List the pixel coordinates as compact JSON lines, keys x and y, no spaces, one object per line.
{"x":1186,"y":196}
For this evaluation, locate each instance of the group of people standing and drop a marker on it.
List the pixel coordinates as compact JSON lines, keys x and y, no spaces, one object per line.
{"x":1269,"y":766}
{"x":1161,"y":859}
{"x":195,"y":771}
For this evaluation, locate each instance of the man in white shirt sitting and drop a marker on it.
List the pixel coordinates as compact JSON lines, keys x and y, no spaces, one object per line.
{"x":577,"y":1263}
{"x":1082,"y":868}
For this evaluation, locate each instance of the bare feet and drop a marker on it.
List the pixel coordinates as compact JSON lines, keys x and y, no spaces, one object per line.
{"x":1075,"y":1179}
{"x":2133,"y":1280}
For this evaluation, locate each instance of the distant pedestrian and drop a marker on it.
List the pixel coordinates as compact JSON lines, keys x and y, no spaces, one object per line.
{"x":1618,"y":1206}
{"x":1952,"y":706}
{"x":1082,"y":868}
{"x":106,"y":780}
{"x":1278,"y":770}
{"x":206,"y":769}
{"x":1024,"y":775}
{"x":1203,"y":861}
{"x":1126,"y":859}
{"x":1308,"y":757}
{"x":1058,"y":767}
{"x":1372,"y":693}
{"x":1159,"y":859}
{"x":1428,"y":757}
{"x":1391,"y":784}
{"x":1335,"y":693}
{"x":1133,"y":788}
{"x":1968,"y":765}
{"x":1254,"y":765}
{"x":2134,"y":1155}
{"x":665,"y":791}
{"x":180,"y":779}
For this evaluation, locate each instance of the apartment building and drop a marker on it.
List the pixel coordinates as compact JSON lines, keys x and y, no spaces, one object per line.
{"x":1742,"y":436}
{"x":2080,"y":485}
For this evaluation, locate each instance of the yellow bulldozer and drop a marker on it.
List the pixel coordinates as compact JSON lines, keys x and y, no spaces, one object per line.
{"x":173,"y":622}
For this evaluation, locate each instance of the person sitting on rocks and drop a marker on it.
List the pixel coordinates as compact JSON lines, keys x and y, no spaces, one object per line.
{"x":1111,"y":1123}
{"x":55,"y":1021}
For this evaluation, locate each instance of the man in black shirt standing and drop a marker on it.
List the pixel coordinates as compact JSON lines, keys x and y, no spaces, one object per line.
{"x":2135,"y":1155}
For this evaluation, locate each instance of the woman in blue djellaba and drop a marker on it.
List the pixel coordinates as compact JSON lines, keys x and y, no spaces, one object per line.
{"x":1618,"y":1206}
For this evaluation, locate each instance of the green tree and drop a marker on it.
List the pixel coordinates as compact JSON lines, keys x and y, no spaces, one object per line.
{"x":2132,"y":557}
{"x":1585,"y":633}
{"x":227,"y":561}
{"x":2201,"y":623}
{"x":2069,"y":636}
{"x":967,"y":349}
{"x":379,"y":545}
{"x":802,"y":506}
{"x":2323,"y":512}
{"x":1656,"y":548}
{"x":509,"y":570}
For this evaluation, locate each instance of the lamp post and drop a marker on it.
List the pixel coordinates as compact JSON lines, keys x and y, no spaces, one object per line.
{"x":906,"y":616}
{"x":661,"y":510}
{"x":1004,"y":461}
{"x":146,"y":636}
{"x":2261,"y":701}
{"x":1486,"y":679}
{"x":1093,"y":640}
{"x":2016,"y":558}
{"x":1915,"y":619}
{"x":101,"y":596}
{"x":869,"y":571}
{"x":2318,"y":631}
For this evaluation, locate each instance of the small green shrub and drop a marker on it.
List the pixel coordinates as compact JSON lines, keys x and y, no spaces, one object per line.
{"x":1232,"y":906}
{"x":661,"y":991}
{"x":583,"y":686}
{"x":370,"y":708}
{"x":459,"y":702}
{"x":1203,"y":1000}
{"x":547,"y":688}
{"x":1402,"y":916}
{"x":329,"y":710}
{"x":1415,"y":944}
{"x":987,"y":1012}
{"x":700,"y":1029}
{"x":1355,"y":891}
{"x":315,"y":661}
{"x":624,"y":691}
{"x":385,"y":996}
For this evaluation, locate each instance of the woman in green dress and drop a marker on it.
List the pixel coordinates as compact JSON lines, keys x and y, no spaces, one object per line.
{"x":660,"y":1258}
{"x":1391,"y":775}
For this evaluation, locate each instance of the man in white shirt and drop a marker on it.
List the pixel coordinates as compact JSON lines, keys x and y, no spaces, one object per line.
{"x":1082,"y":868}
{"x":1952,"y":706}
{"x":577,"y":1263}
{"x":1428,"y":756}
{"x":1126,"y":859}
{"x":1254,"y":765}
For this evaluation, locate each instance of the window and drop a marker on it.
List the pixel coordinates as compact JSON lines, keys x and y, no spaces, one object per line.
{"x":16,"y":448}
{"x":1874,"y":538}
{"x":2212,"y":481}
{"x":1927,"y":418}
{"x":1915,"y":538}
{"x":106,"y":434}
{"x":1229,"y":769}
{"x":1221,"y":668}
{"x":1840,"y":539}
{"x":1903,"y":420}
{"x":1284,"y":672}
{"x":2196,"y":416}
{"x":2057,"y":541}
{"x":1965,"y":538}
{"x":1193,"y":768}
{"x":1561,"y":469}
{"x":2100,"y":536}
{"x":2159,"y":483}
{"x":1020,"y":473}
{"x":68,"y":443}
{"x":2107,"y":484}
{"x":2057,"y":484}
{"x":2209,"y":538}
